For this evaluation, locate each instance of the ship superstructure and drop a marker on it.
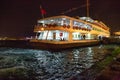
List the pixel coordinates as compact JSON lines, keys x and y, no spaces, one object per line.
{"x":65,"y":28}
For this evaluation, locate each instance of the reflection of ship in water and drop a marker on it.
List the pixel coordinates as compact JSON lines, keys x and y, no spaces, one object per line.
{"x":59,"y":30}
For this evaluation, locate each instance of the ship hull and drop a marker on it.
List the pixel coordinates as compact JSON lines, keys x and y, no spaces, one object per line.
{"x":57,"y":46}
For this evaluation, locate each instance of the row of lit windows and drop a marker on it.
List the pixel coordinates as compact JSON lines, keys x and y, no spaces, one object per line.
{"x":55,"y":21}
{"x":62,"y":22}
{"x":97,"y":29}
{"x":100,"y":30}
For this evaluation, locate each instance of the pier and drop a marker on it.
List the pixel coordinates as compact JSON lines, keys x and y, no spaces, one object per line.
{"x":47,"y":45}
{"x":14,"y":43}
{"x":55,"y":45}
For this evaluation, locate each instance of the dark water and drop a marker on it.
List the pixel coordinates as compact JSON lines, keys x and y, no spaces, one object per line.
{"x":46,"y":65}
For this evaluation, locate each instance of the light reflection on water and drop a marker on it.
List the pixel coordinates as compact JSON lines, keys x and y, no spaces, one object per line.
{"x":53,"y":65}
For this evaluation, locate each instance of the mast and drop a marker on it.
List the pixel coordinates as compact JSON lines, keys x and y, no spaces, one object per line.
{"x":87,"y":7}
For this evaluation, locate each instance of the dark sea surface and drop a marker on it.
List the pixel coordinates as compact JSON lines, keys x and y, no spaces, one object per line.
{"x":33,"y":64}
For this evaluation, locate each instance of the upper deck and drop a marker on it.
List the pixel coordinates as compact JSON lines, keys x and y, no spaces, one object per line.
{"x":71,"y":24}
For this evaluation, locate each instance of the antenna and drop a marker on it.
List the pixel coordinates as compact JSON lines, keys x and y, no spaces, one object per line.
{"x":87,"y":6}
{"x":73,"y":9}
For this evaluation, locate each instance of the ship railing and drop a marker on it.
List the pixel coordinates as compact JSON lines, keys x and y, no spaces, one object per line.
{"x":36,"y":27}
{"x":81,"y":28}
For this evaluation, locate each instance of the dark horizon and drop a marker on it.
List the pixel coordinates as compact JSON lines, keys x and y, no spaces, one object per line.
{"x":17,"y":18}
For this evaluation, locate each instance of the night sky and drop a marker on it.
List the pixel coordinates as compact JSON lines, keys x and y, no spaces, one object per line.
{"x":18,"y":17}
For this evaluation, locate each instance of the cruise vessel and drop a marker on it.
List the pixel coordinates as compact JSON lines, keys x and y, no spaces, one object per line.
{"x":64,"y":32}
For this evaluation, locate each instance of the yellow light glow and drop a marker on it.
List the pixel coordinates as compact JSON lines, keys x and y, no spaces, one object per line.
{"x":42,"y":29}
{"x":117,"y":33}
